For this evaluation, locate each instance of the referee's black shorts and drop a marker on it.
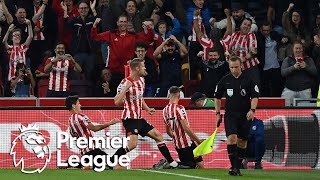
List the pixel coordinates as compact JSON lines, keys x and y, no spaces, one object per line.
{"x":186,"y":156}
{"x":237,"y":123}
{"x":136,"y":126}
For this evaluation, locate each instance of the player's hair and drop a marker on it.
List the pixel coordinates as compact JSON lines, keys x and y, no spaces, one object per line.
{"x":135,"y":62}
{"x":234,"y":59}
{"x":71,"y":100}
{"x":173,"y":91}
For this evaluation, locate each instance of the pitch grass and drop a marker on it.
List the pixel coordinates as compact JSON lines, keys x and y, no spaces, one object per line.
{"x":205,"y":174}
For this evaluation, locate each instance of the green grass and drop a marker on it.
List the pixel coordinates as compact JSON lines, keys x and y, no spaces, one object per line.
{"x":55,"y":174}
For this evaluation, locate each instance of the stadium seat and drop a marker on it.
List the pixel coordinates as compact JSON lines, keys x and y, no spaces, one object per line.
{"x":191,"y":87}
{"x":81,"y":87}
{"x":42,"y":88}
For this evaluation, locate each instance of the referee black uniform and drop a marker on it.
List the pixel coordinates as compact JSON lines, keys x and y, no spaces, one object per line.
{"x":238,"y":92}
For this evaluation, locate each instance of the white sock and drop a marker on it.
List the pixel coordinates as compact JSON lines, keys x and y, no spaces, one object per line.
{"x":174,"y":164}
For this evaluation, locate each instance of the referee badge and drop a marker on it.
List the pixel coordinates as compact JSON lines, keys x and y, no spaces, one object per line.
{"x":230,"y":92}
{"x":243,"y":92}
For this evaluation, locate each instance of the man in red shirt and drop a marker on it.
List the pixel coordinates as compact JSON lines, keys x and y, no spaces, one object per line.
{"x":121,"y":43}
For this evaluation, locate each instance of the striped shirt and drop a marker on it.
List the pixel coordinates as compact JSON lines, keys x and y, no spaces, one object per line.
{"x":207,"y":43}
{"x":16,"y":54}
{"x":133,"y":98}
{"x":193,"y":35}
{"x":58,"y":77}
{"x":78,"y":128}
{"x":173,"y":114}
{"x":39,"y":35}
{"x":241,"y":45}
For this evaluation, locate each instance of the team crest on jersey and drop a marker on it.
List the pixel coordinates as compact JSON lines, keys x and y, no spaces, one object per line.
{"x":243,"y":92}
{"x":230,"y":92}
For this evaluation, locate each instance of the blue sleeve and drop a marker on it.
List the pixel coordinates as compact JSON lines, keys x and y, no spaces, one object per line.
{"x":190,"y":18}
{"x":206,"y":18}
{"x":176,"y":27}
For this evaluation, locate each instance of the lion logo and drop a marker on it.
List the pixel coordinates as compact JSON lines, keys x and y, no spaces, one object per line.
{"x":30,"y":136}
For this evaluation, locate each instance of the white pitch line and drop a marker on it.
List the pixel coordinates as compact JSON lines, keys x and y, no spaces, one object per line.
{"x":175,"y":174}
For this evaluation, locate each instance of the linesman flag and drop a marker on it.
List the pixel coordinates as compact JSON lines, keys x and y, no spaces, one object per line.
{"x":206,"y":146}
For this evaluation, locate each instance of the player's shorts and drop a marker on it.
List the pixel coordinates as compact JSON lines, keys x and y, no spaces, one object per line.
{"x":186,"y":156}
{"x":136,"y":126}
{"x":237,"y":123}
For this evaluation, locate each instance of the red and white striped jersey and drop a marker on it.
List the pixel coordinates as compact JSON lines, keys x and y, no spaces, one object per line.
{"x":78,"y":128}
{"x":207,"y":43}
{"x":172,"y":115}
{"x":193,"y":36}
{"x":133,"y":98}
{"x":241,"y":44}
{"x":16,"y":54}
{"x":39,"y":24}
{"x":58,"y":77}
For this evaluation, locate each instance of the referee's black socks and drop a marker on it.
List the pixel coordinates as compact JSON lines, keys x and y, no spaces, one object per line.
{"x":241,"y":155}
{"x":233,"y":155}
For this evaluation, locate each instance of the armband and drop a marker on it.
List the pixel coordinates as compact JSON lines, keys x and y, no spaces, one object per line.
{"x":253,"y":110}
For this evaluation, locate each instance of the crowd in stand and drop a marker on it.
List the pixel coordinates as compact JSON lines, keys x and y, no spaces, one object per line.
{"x":57,"y":47}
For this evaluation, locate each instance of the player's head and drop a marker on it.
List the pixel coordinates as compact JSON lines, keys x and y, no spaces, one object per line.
{"x":137,"y":66}
{"x":245,"y":26}
{"x":235,"y":66}
{"x":174,"y":92}
{"x":73,"y":104}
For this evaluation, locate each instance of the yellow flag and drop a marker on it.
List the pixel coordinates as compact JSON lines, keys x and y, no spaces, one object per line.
{"x":206,"y":146}
{"x":318,"y":98}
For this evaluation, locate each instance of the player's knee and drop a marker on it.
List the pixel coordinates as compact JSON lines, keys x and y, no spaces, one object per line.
{"x":232,"y":139}
{"x":242,"y":143}
{"x":158,"y":136}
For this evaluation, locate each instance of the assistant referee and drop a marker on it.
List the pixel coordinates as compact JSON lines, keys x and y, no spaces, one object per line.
{"x":239,"y":89}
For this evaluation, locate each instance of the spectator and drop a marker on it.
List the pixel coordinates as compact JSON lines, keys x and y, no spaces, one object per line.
{"x":120,"y":53}
{"x":39,"y":44}
{"x":59,"y":68}
{"x":65,"y":34}
{"x":83,"y":47}
{"x":294,"y":29}
{"x":151,"y":79}
{"x":163,"y":29}
{"x":201,"y":100}
{"x":17,"y":51}
{"x":170,"y":61}
{"x":194,"y":46}
{"x":268,"y":45}
{"x":135,"y":17}
{"x":5,"y":15}
{"x":23,"y":83}
{"x":104,"y":86}
{"x":299,"y":72}
{"x":243,"y":44}
{"x":238,"y":15}
{"x":316,"y":58}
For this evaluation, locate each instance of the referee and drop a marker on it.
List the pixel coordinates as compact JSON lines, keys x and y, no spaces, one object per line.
{"x":239,"y":88}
